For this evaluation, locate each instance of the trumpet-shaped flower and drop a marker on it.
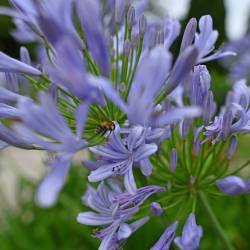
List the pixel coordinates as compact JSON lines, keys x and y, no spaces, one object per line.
{"x":108,"y":213}
{"x":120,"y":155}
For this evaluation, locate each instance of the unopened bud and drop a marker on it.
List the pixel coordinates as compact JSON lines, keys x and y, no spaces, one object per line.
{"x":131,"y":16}
{"x":126,"y":47}
{"x":184,"y":129}
{"x":156,"y":209}
{"x":135,"y":41}
{"x":173,"y":160}
{"x":209,"y":107}
{"x":232,"y":147}
{"x":122,"y":87}
{"x":142,"y":25}
{"x":227,"y":123}
{"x":53,"y":91}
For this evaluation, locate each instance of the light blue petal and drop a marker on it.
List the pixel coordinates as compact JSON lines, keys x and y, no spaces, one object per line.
{"x":9,"y":64}
{"x":102,"y":172}
{"x":124,"y":231}
{"x":145,"y":151}
{"x":129,"y":181}
{"x":52,"y":184}
{"x":93,"y":219}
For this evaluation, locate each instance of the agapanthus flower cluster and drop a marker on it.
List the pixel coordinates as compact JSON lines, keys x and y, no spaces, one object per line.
{"x":107,"y":81}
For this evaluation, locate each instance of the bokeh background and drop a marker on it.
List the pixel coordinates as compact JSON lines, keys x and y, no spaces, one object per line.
{"x":24,"y":226}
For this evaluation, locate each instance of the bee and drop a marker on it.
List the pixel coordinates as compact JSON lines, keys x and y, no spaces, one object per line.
{"x":104,"y":127}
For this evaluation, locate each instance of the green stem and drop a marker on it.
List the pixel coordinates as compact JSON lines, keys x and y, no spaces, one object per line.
{"x":117,"y":58}
{"x":138,"y":55}
{"x":215,"y":221}
{"x":240,"y":168}
{"x":92,"y":66}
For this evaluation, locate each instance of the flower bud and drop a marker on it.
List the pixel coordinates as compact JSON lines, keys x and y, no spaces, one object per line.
{"x":191,"y":234}
{"x":156,"y":209}
{"x":184,"y":129}
{"x":173,"y":160}
{"x":131,"y":16}
{"x":189,"y":34}
{"x":227,"y":123}
{"x":135,"y":41}
{"x":232,"y":185}
{"x":53,"y":91}
{"x":232,"y":147}
{"x":126,"y":47}
{"x":166,"y":238}
{"x":142,"y":25}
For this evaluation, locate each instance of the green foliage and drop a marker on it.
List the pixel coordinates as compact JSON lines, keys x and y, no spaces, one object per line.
{"x":30,"y":227}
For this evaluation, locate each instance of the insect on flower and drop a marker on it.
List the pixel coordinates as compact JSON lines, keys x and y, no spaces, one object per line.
{"x":104,"y":127}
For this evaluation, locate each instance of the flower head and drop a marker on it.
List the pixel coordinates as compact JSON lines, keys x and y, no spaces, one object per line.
{"x":110,"y":214}
{"x":120,"y":155}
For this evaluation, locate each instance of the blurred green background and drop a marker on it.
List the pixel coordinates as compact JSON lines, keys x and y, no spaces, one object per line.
{"x":27,"y":227}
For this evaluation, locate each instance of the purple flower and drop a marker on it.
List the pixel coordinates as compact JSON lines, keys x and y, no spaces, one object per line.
{"x":120,"y":8}
{"x":44,"y":119}
{"x":118,"y":243}
{"x":233,"y":185}
{"x":189,"y":34}
{"x":11,"y":82}
{"x":108,"y":213}
{"x":154,"y":68}
{"x":206,"y":39}
{"x":191,"y":235}
{"x":25,"y":56}
{"x":69,"y":71}
{"x":171,"y":31}
{"x":120,"y":154}
{"x":201,"y":94}
{"x":239,"y":65}
{"x":24,"y":14}
{"x":42,"y":125}
{"x":166,"y":238}
{"x":9,"y":64}
{"x":234,"y":117}
{"x":7,"y":96}
{"x":240,"y":94}
{"x":8,"y":137}
{"x":55,"y":19}
{"x":182,"y":67}
{"x":127,"y":200}
{"x":51,"y":185}
{"x":175,"y":115}
{"x":45,"y":20}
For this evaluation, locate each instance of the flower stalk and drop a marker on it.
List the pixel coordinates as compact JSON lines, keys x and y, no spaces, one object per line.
{"x":215,"y":221}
